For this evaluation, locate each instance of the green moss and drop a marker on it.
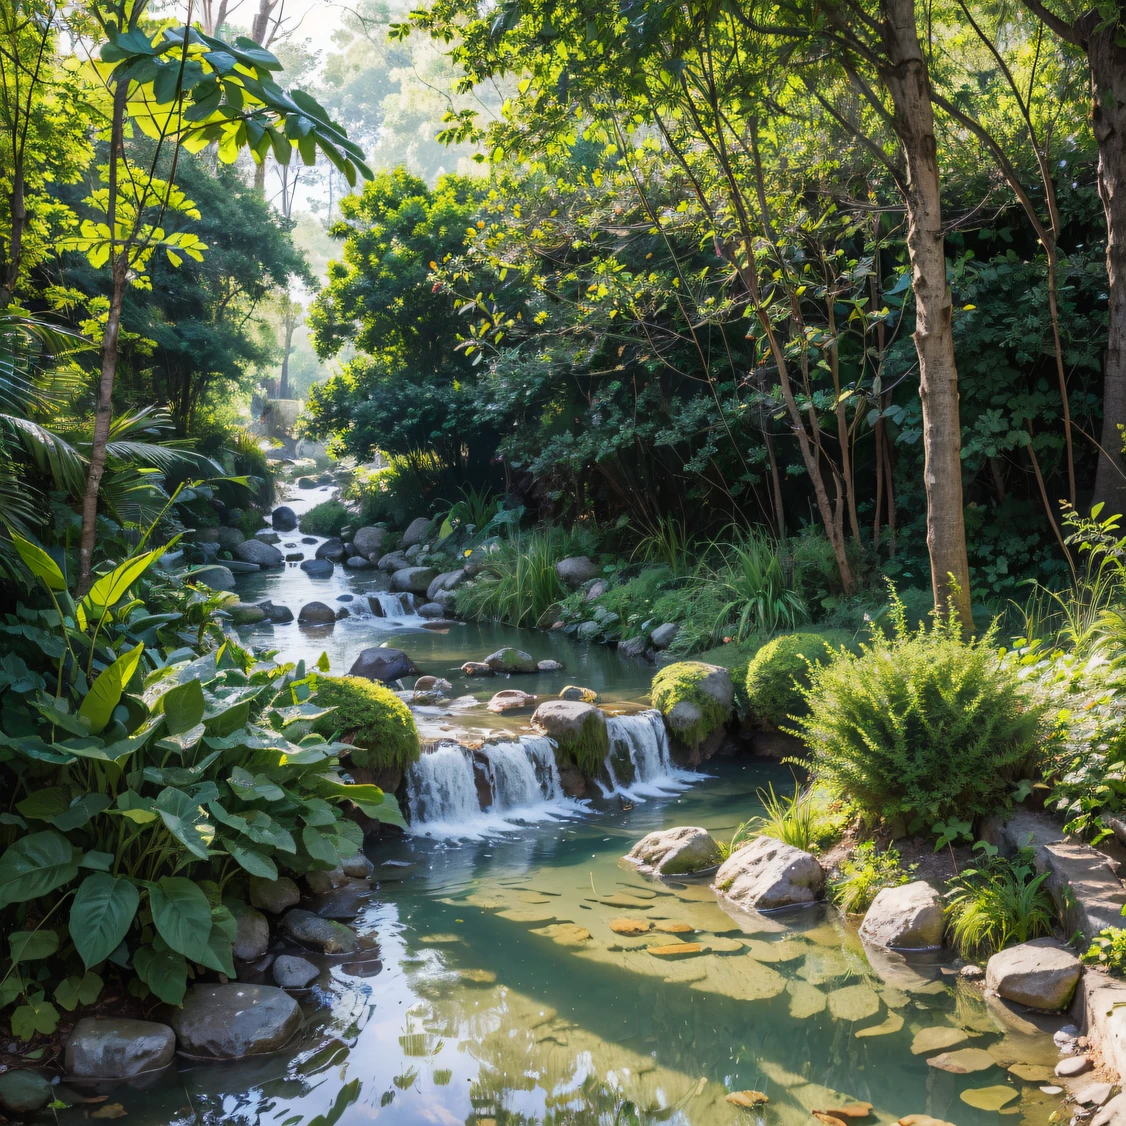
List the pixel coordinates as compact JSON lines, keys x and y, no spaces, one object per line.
{"x":325,"y":519}
{"x":589,"y":747}
{"x":683,"y":681}
{"x":778,"y":675}
{"x":381,"y":723}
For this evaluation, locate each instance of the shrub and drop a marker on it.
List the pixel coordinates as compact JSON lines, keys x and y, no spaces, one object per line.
{"x":326,"y":519}
{"x":866,"y":873}
{"x":923,"y":724}
{"x":685,"y":682}
{"x":778,"y":675}
{"x":998,"y":902}
{"x":1108,"y":950}
{"x":247,"y":520}
{"x":384,"y":730}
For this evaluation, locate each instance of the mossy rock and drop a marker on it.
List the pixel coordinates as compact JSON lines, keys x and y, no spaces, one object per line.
{"x":778,"y":674}
{"x":696,"y":699}
{"x":579,"y":731}
{"x":381,"y":724}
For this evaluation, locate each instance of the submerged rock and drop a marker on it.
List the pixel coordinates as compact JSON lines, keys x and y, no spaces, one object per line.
{"x":674,"y":852}
{"x":232,"y":1021}
{"x":382,"y":664}
{"x":908,"y":917}
{"x":23,"y":1091}
{"x":276,"y":613}
{"x":575,"y":692}
{"x":509,"y":660}
{"x":511,"y":699}
{"x":433,"y":684}
{"x":549,"y":666}
{"x":244,"y":613}
{"x":118,"y":1048}
{"x":767,"y":874}
{"x":476,"y":668}
{"x":1041,"y":974}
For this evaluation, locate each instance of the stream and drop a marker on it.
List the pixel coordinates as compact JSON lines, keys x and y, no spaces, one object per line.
{"x":498,"y":992}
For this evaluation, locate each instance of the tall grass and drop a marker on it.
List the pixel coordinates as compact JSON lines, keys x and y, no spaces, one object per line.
{"x":668,"y":543}
{"x":749,"y":577}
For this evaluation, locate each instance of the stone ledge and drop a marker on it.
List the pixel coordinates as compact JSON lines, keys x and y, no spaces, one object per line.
{"x":1100,"y":1008}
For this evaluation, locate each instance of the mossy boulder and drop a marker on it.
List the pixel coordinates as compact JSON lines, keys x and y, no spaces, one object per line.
{"x":379,"y":722}
{"x":579,"y":731}
{"x":778,"y":674}
{"x":695,"y":699}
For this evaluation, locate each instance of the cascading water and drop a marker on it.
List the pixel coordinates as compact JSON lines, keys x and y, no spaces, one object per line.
{"x":392,"y":604}
{"x":523,"y":775}
{"x":440,"y":789}
{"x":639,"y":763}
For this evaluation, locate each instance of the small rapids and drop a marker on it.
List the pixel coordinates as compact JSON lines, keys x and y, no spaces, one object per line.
{"x":640,"y":764}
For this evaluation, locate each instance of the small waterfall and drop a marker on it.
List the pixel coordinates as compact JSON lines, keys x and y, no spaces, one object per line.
{"x":440,"y":787}
{"x":523,"y":774}
{"x":392,"y":604}
{"x":639,"y":763}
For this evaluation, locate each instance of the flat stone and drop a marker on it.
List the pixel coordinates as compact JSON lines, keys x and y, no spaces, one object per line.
{"x":989,"y":1098}
{"x":274,"y":896}
{"x":677,"y":950}
{"x":118,"y":1048}
{"x":1031,"y":1072}
{"x":721,"y":944}
{"x":893,"y":1023}
{"x":767,"y":874}
{"x":679,"y":851}
{"x":510,"y":700}
{"x":805,"y":1000}
{"x":937,"y":1038}
{"x":631,"y":926}
{"x":565,"y":934}
{"x":23,"y":1091}
{"x":854,"y":1002}
{"x":1041,"y":974}
{"x":787,"y":950}
{"x":747,"y":1099}
{"x":675,"y":928}
{"x":235,"y":1020}
{"x":316,"y":933}
{"x":478,"y":977}
{"x":294,"y":972}
{"x":963,"y":1062}
{"x":908,"y":917}
{"x":1071,"y":1066}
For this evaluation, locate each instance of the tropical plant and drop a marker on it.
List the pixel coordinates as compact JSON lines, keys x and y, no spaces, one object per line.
{"x":475,"y":509}
{"x":752,"y":586}
{"x":667,"y":542}
{"x":864,"y":874}
{"x":998,"y":901}
{"x":1108,"y":950}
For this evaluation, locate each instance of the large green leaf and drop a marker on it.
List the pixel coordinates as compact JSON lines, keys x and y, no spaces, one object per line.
{"x":110,"y":589}
{"x":80,"y":811}
{"x":186,"y":821}
{"x":182,"y":916}
{"x":42,"y":805}
{"x":101,"y":915}
{"x":105,"y":693}
{"x":30,"y":946}
{"x":219,"y":955}
{"x":319,"y":847}
{"x":183,"y":707}
{"x":39,"y":563}
{"x":252,"y":861}
{"x":36,"y":865}
{"x":74,"y":990}
{"x":164,"y":972}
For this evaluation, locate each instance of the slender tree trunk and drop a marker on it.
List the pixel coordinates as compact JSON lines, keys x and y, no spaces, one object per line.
{"x":283,"y":380}
{"x":103,"y":408}
{"x":1108,"y":119}
{"x":908,"y":82}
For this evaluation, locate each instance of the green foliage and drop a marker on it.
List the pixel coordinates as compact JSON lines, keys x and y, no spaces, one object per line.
{"x":682,"y":682}
{"x":998,"y":902}
{"x":752,"y":586}
{"x":326,"y":519}
{"x":588,"y":747}
{"x":788,"y":819}
{"x":921,"y":725}
{"x":864,"y":874}
{"x":1108,"y":950}
{"x":383,"y":728}
{"x":777,"y":676}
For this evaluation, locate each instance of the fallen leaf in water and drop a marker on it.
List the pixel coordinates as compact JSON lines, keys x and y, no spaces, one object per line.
{"x":110,"y":1110}
{"x":828,"y":1119}
{"x":850,"y":1110}
{"x":747,"y":1098}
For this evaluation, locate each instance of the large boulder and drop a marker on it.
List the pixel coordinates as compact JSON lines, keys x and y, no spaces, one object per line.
{"x":275,"y":612}
{"x":676,"y":852}
{"x":579,"y":731}
{"x":318,"y":568}
{"x":382,"y":664}
{"x":908,"y":917}
{"x":332,"y":549}
{"x":576,"y":570}
{"x":767,"y":874}
{"x":413,"y":580}
{"x":118,"y":1048}
{"x":416,"y":531}
{"x":446,"y":581}
{"x":393,"y":561}
{"x":255,"y":551}
{"x":216,"y":577}
{"x":662,"y":637}
{"x":1041,"y":974}
{"x":283,"y":518}
{"x":316,"y":613}
{"x":228,"y":1022}
{"x":509,"y":660}
{"x":315,"y":933}
{"x":369,"y":541}
{"x":695,"y":698}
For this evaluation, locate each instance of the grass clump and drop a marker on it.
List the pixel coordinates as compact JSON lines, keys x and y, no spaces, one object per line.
{"x":778,"y":675}
{"x":326,"y":519}
{"x":382,"y":725}
{"x":865,"y":874}
{"x":697,"y":684}
{"x":920,"y":725}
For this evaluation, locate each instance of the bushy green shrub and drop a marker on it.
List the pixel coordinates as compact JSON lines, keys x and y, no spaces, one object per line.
{"x":684,"y":681}
{"x":326,"y":519}
{"x":866,"y":873}
{"x":382,"y":725}
{"x":922,"y":725}
{"x":778,"y":675}
{"x":247,"y":520}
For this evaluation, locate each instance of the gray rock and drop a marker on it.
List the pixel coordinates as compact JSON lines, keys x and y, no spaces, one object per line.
{"x":255,"y":551}
{"x":433,"y":684}
{"x":447,"y":599}
{"x":244,"y":613}
{"x":446,"y":581}
{"x":23,"y":1091}
{"x":476,"y":668}
{"x":324,"y":935}
{"x":576,"y":570}
{"x":294,"y":556}
{"x":294,"y":972}
{"x":369,"y":541}
{"x":633,"y":647}
{"x":274,"y":896}
{"x":205,"y":535}
{"x":1041,"y":974}
{"x":253,"y":938}
{"x":283,"y":518}
{"x":596,"y":589}
{"x":393,"y":561}
{"x":358,"y":563}
{"x":588,"y":631}
{"x":265,"y":536}
{"x":345,"y":598}
{"x":412,"y":553}
{"x":413,"y":580}
{"x":309,"y":540}
{"x":322,"y":881}
{"x":1071,"y":1066}
{"x":908,"y":917}
{"x":118,"y":1048}
{"x":549,"y":666}
{"x":331,"y":549}
{"x":383,"y":664}
{"x":432,"y":610}
{"x":216,"y":577}
{"x":675,"y":852}
{"x":232,"y":1021}
{"x":229,"y":538}
{"x":275,"y":612}
{"x":662,"y":637}
{"x":357,"y":867}
{"x":316,"y":612}
{"x":574,"y":725}
{"x":318,"y":568}
{"x":416,"y":532}
{"x":509,"y":660}
{"x":1113,"y":1114}
{"x":767,"y":873}
{"x":306,"y":482}
{"x":238,"y":567}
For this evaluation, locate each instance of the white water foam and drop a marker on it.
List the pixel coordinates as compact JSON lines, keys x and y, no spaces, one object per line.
{"x":392,"y":604}
{"x":642,"y":739}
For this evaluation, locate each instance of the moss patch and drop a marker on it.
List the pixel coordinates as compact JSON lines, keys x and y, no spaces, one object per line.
{"x":325,"y":519}
{"x":588,"y":747}
{"x":778,"y":674}
{"x":383,"y":727}
{"x":683,"y":683}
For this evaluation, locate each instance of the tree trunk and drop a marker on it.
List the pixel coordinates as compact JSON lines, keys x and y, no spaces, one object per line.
{"x":103,"y":409}
{"x":1107,"y":61}
{"x":283,"y":380}
{"x":906,"y":78}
